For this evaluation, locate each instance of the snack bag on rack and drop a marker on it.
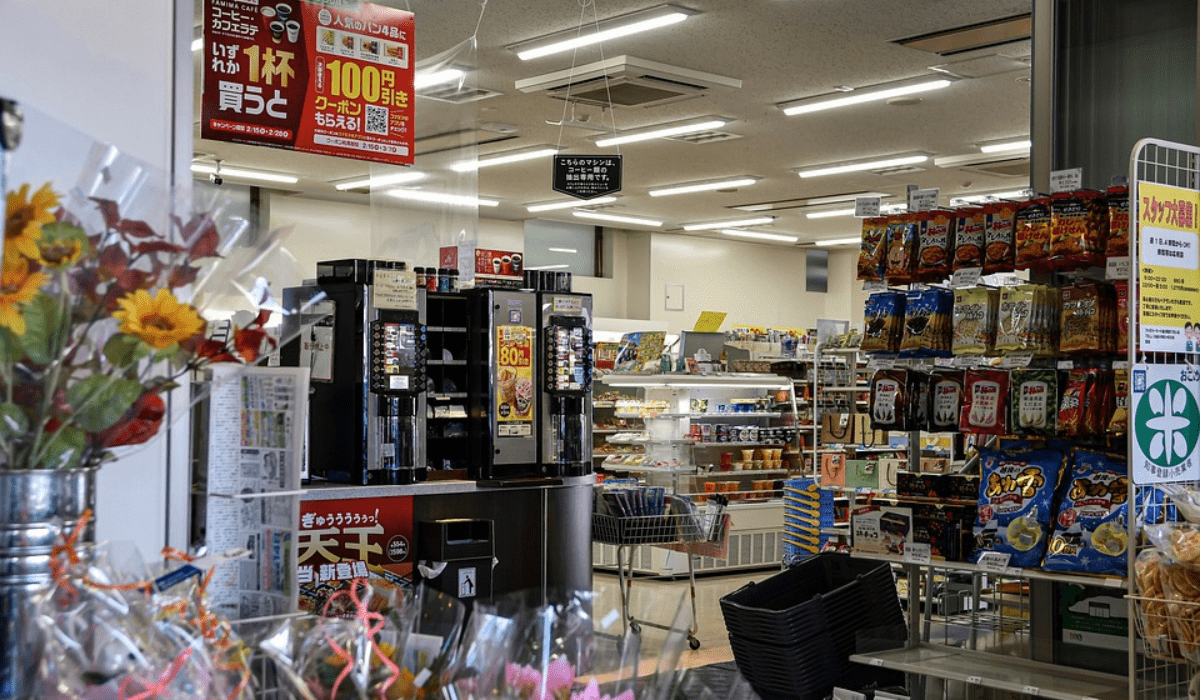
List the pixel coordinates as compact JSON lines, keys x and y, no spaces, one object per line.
{"x":1117,"y":244}
{"x":969,"y":238}
{"x":1153,"y":624}
{"x":883,"y":321}
{"x":902,"y":241}
{"x":872,"y":251}
{"x":889,"y":399}
{"x":1034,"y":402}
{"x":1071,"y":405}
{"x":1015,"y":318}
{"x":945,"y":400}
{"x":1090,"y":529}
{"x":937,"y":244}
{"x":1119,"y":423}
{"x":985,"y":403}
{"x":1000,"y":249}
{"x":1015,"y":498}
{"x":1033,"y":235}
{"x":1078,"y":229}
{"x":1122,"y":291}
{"x":974,"y":320}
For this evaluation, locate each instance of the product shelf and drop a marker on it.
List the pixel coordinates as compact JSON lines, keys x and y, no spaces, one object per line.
{"x":1012,"y":571}
{"x":1000,"y":672}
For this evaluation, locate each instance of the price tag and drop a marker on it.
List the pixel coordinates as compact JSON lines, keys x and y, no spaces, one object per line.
{"x":876,"y":662}
{"x":917,"y":553}
{"x":875,"y":286}
{"x":866,"y":207}
{"x":943,"y":362}
{"x":1066,"y":180}
{"x":1031,"y":690}
{"x":923,"y":200}
{"x":966,"y":277}
{"x":1066,"y":364}
{"x":966,"y":361}
{"x":1117,"y":268}
{"x":881,"y":363}
{"x":974,"y":680}
{"x":1120,"y":364}
{"x":1017,"y":359}
{"x":994,"y":562}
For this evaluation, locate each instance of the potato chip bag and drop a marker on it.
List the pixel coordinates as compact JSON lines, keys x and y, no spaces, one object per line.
{"x":872,"y":250}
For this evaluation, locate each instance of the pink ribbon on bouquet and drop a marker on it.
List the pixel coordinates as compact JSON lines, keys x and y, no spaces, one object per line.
{"x":375,"y":623}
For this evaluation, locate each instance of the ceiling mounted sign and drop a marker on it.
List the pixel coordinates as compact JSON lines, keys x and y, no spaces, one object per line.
{"x":317,"y":77}
{"x":587,"y":177}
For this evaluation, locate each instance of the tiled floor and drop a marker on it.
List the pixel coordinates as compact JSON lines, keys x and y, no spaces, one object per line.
{"x":656,"y":600}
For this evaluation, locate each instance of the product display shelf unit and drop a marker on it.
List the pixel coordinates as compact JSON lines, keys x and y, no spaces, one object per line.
{"x":446,"y":395}
{"x":609,"y":420}
{"x":836,"y":386}
{"x":753,"y":540}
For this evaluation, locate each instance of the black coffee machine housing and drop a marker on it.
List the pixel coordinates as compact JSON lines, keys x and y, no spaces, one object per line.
{"x":565,"y":367}
{"x":367,"y":355}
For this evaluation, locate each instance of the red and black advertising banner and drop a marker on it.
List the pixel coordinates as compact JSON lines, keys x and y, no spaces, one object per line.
{"x":333,"y":78}
{"x":342,"y":540}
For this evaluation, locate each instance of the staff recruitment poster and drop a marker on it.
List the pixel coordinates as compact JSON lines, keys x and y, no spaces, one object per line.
{"x":1169,"y":272}
{"x":334,"y":78}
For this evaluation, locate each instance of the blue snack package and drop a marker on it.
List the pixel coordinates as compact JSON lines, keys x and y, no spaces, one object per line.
{"x":1090,"y":530}
{"x":1015,"y":498}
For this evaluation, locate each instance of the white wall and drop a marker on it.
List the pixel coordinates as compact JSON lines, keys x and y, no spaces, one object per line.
{"x":106,"y":69}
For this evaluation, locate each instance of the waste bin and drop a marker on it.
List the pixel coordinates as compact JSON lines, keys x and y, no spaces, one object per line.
{"x":455,"y":557}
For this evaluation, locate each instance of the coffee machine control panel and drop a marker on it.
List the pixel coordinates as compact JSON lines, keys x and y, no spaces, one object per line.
{"x":398,"y":352}
{"x":568,"y":357}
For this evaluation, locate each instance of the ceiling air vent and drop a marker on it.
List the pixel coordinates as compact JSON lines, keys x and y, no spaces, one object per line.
{"x":972,"y":37}
{"x":626,"y":81}
{"x":996,"y":165}
{"x":454,"y":94}
{"x":705,"y":137}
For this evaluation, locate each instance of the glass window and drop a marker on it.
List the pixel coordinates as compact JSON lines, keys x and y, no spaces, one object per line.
{"x":554,"y":245}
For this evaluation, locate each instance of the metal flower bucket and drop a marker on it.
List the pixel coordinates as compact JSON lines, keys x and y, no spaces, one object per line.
{"x":35,"y":506}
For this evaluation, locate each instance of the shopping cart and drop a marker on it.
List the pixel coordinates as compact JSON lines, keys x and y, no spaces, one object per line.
{"x":695,"y":533}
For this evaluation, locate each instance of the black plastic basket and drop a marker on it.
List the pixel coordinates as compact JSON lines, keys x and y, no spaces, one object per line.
{"x":793,"y":674}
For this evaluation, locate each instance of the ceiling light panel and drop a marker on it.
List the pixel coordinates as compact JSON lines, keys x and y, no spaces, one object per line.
{"x":427,"y":197}
{"x":1010,"y":145}
{"x":663,"y":131}
{"x":761,"y":236}
{"x":873,"y":93}
{"x":863,"y":166}
{"x":552,"y":206}
{"x":704,"y":186}
{"x":716,"y":225}
{"x":612,"y":28}
{"x":637,"y":221}
{"x":426,"y":79}
{"x":838,"y":241}
{"x":379,"y":181}
{"x":245,"y":174}
{"x":504,"y":158}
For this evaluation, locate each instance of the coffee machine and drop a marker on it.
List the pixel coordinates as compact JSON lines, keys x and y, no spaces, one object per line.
{"x":565,"y":366}
{"x":363,"y":339}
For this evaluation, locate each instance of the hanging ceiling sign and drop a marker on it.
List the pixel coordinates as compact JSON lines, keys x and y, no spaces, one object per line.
{"x":328,"y":78}
{"x":587,"y":177}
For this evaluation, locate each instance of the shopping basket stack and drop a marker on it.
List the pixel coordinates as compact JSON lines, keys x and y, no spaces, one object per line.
{"x":807,"y":510}
{"x":792,"y":634}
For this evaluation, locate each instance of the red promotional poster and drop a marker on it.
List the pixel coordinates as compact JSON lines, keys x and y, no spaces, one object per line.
{"x":343,"y":540}
{"x":309,"y":77}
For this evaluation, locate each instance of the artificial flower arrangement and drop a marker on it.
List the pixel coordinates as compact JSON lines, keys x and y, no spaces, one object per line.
{"x":94,"y":326}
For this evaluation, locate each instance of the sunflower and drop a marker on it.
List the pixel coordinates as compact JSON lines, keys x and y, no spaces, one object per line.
{"x":160,"y":320}
{"x":61,"y":245}
{"x":18,"y":287}
{"x":26,"y":216}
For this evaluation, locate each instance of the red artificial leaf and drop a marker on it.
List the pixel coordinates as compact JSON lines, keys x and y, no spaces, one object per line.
{"x":131,"y":280}
{"x":205,"y":241}
{"x":206,"y":349}
{"x":109,"y":210}
{"x":84,"y":282}
{"x":139,"y":424}
{"x":182,"y":275}
{"x":113,"y":260}
{"x":149,"y":406}
{"x":136,"y":228}
{"x":27,"y":394}
{"x":264,"y":315}
{"x":156,"y":247}
{"x":248,"y":342}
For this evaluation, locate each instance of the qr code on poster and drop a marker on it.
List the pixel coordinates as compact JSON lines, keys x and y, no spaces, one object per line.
{"x":377,"y":120}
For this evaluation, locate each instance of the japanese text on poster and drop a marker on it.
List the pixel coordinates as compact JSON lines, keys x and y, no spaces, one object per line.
{"x":334,"y":80}
{"x":341,"y":540}
{"x":257,"y":419}
{"x":514,"y":381}
{"x":1169,"y":272}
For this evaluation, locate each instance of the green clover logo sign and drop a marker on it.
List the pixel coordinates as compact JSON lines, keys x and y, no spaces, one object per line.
{"x":1168,"y":423}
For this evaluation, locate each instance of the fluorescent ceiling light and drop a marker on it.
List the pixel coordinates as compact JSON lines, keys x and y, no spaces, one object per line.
{"x":380,"y":181}
{"x":662,"y":133}
{"x":883,"y":209}
{"x":714,"y":225}
{"x":874,"y":93}
{"x":549,"y":267}
{"x":704,"y":187}
{"x":197,"y":43}
{"x":563,"y":250}
{"x":633,"y":23}
{"x":242,"y":173}
{"x":467,"y":166}
{"x":1024,"y":145}
{"x":975,"y":198}
{"x":838,"y":241}
{"x":429,"y":79}
{"x":818,"y":201}
{"x":618,"y":219}
{"x":859,"y":167}
{"x":551,"y":206}
{"x":442,"y":198}
{"x":760,"y":235}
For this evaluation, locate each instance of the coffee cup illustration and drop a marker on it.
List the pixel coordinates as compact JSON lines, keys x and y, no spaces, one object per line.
{"x":496,"y":266}
{"x":277,"y":29}
{"x":517,"y":261}
{"x":284,"y":11}
{"x":293,"y":30}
